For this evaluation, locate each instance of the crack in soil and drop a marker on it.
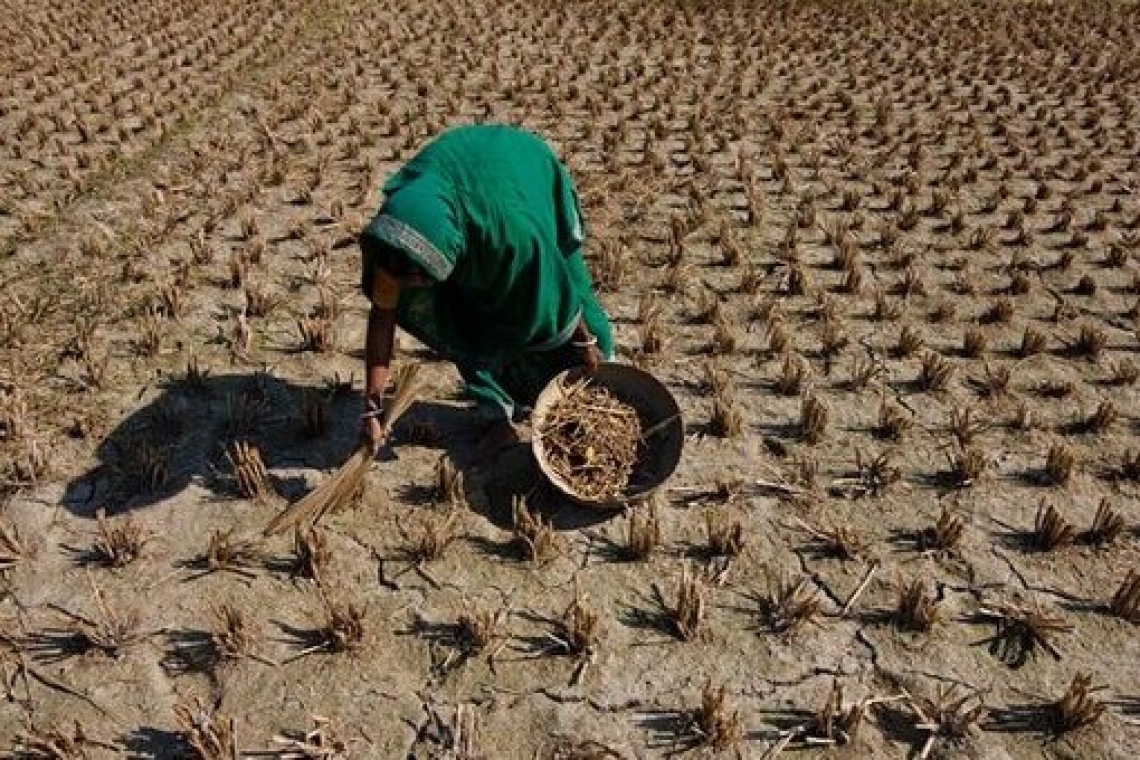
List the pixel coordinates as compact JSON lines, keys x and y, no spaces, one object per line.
{"x":872,"y":648}
{"x":818,"y":580}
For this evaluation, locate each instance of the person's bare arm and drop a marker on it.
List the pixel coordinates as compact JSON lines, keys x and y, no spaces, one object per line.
{"x":378,"y":344}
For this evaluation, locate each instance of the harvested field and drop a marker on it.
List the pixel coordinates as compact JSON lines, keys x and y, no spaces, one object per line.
{"x":886,"y":255}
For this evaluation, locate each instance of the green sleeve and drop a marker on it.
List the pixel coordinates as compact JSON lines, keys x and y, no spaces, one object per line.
{"x":592,"y":311}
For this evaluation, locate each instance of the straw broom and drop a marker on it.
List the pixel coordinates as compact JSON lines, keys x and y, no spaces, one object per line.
{"x":346,"y":480}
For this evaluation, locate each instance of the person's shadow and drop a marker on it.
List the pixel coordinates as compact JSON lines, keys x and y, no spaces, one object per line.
{"x":187,"y":435}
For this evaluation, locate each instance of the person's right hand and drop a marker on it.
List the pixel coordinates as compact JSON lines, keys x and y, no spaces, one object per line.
{"x":372,"y":432}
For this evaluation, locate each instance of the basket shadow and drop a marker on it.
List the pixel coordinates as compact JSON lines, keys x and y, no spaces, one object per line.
{"x":514,"y":474}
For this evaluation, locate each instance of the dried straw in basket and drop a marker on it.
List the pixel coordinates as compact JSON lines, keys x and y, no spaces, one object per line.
{"x":346,"y":481}
{"x":592,"y":439}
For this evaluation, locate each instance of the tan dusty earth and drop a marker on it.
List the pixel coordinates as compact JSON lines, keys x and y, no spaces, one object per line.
{"x":900,"y":238}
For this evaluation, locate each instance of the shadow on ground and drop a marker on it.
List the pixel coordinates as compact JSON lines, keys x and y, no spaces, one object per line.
{"x":514,"y":474}
{"x":184,"y":434}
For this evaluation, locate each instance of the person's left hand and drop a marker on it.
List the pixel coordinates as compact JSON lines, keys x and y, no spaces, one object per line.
{"x":588,"y":353}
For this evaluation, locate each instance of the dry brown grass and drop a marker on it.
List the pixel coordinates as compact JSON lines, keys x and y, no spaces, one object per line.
{"x":317,"y":334}
{"x":110,"y":632}
{"x":886,"y":309}
{"x":797,"y":281}
{"x":974,"y":343}
{"x":209,"y":735}
{"x":945,"y":535}
{"x":1123,"y":373}
{"x":936,"y":372}
{"x":794,"y":372}
{"x":1033,"y":342}
{"x":724,"y":536}
{"x":314,"y":412}
{"x":966,"y":426}
{"x":344,"y":628}
{"x":686,"y":615}
{"x":228,"y":553}
{"x":1024,"y":417}
{"x":643,"y":533}
{"x":1060,"y":464}
{"x":150,"y":332}
{"x":894,"y":422}
{"x":714,"y":724}
{"x":1000,"y":311}
{"x":864,"y":371}
{"x":1090,"y":341}
{"x":450,"y":486}
{"x":1125,"y":602}
{"x":814,"y":415}
{"x":436,"y":534}
{"x":950,"y":715}
{"x":14,"y":549}
{"x":1077,"y":707}
{"x":260,"y":301}
{"x":779,"y":341}
{"x":146,"y":466}
{"x":480,"y":628}
{"x":967,"y":466}
{"x":1102,"y":419}
{"x":837,"y":723}
{"x":250,"y":472}
{"x":611,"y":269}
{"x":579,"y":632}
{"x":120,"y":543}
{"x":837,"y":541}
{"x":533,"y":534}
{"x":714,"y":378}
{"x":1107,"y":527}
{"x":833,"y":338}
{"x":995,"y":381}
{"x":788,"y":604}
{"x":1130,"y":466}
{"x":231,"y":633}
{"x":909,"y":343}
{"x":1023,"y":630}
{"x":727,"y":420}
{"x":312,"y":554}
{"x":915,"y":608}
{"x":726,"y":336}
{"x":652,"y":332}
{"x":1055,"y":388}
{"x":244,"y":412}
{"x":1051,"y":530}
{"x":36,"y":742}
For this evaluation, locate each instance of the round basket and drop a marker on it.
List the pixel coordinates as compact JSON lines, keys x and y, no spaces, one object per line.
{"x":664,"y":430}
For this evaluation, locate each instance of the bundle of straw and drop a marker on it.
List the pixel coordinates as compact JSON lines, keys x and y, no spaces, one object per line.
{"x":346,"y":481}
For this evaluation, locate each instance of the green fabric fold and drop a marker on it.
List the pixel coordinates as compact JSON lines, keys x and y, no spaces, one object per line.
{"x":492,"y":216}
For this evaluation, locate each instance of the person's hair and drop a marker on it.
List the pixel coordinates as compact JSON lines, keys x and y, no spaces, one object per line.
{"x":389,"y":258}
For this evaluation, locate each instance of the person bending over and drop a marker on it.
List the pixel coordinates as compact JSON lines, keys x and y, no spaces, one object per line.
{"x":476,"y":251}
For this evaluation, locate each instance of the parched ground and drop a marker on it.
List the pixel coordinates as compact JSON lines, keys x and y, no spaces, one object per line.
{"x":884,"y":254}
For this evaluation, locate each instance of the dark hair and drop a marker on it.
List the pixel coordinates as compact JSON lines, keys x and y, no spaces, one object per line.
{"x":389,"y":258}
